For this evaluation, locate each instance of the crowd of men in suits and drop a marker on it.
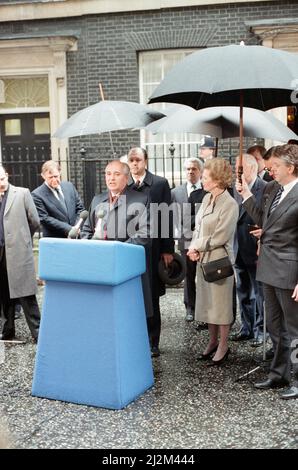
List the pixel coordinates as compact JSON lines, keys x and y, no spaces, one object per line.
{"x":56,"y":206}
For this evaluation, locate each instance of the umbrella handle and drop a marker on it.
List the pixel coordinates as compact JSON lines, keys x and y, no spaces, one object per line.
{"x":240,"y":173}
{"x":101,"y":92}
{"x":240,"y":168}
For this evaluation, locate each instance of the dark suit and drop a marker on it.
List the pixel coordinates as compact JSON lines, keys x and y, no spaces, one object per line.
{"x":127,"y":220}
{"x":119,"y":217}
{"x":249,"y":290}
{"x":278,"y":271}
{"x":158,"y":190}
{"x":55,"y":221}
{"x":195,"y":199}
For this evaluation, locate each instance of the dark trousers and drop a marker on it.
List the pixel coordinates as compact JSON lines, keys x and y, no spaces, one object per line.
{"x":29,"y":304}
{"x":250,"y":296}
{"x":154,"y":322}
{"x":282,"y":322}
{"x":189,"y":282}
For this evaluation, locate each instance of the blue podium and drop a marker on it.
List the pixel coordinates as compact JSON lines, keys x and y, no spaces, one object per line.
{"x":93,"y":345}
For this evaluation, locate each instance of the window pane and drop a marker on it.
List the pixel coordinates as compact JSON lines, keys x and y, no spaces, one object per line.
{"x":13,"y":127}
{"x":30,"y":92}
{"x":147,"y":92}
{"x":170,"y":60}
{"x":152,"y":68}
{"x":41,"y":126}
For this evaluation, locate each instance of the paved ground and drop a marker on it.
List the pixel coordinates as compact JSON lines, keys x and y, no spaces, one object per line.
{"x":190,"y":406}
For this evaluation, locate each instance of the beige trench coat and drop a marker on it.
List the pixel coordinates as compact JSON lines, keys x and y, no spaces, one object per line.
{"x":214,"y":301}
{"x":20,"y":221}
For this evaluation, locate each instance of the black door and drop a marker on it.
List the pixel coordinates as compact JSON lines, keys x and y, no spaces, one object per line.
{"x":25,"y":145}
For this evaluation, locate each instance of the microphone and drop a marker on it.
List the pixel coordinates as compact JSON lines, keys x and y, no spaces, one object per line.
{"x":74,"y":231}
{"x":98,"y":233}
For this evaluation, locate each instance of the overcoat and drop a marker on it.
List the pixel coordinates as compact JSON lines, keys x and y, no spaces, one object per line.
{"x":20,"y":221}
{"x":215,"y":222}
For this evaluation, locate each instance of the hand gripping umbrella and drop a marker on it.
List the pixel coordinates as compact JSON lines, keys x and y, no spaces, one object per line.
{"x":253,"y":76}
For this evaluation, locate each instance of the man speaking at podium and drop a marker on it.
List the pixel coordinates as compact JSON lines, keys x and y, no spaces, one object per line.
{"x":121,"y":214}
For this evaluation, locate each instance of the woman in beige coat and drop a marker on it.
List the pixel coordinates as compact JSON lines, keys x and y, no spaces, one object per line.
{"x":215,"y":222}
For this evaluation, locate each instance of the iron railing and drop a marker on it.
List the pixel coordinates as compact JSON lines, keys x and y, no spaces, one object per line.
{"x":87,"y":174}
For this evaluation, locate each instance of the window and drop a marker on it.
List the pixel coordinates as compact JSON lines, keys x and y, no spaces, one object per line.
{"x":153,"y":68}
{"x":12,"y":127}
{"x":41,"y":126}
{"x":25,"y":93}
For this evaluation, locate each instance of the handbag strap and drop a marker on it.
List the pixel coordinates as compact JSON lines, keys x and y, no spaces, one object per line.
{"x":207,"y":248}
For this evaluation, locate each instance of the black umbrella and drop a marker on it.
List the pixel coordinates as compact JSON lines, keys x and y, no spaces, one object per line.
{"x":253,"y":76}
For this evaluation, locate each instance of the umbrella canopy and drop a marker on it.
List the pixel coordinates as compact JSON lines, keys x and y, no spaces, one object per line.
{"x":215,"y":77}
{"x":253,"y":76}
{"x":223,"y":123}
{"x":107,"y":116}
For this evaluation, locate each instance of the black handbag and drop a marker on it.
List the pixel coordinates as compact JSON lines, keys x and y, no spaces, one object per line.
{"x":218,"y":269}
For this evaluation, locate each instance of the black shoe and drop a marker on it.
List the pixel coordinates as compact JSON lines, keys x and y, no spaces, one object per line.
{"x":291,"y":392}
{"x":220,"y":361}
{"x":269,"y":384}
{"x":204,"y":357}
{"x":241,"y":337}
{"x":155,"y":352}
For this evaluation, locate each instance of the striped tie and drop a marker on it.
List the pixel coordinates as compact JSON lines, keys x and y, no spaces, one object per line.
{"x":276,"y":200}
{"x":61,"y":199}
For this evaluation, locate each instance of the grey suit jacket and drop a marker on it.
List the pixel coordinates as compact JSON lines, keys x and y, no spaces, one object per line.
{"x":278,"y":259}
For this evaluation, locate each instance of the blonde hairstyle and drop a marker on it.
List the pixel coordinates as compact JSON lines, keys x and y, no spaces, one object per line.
{"x":50,"y":165}
{"x":220,"y":171}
